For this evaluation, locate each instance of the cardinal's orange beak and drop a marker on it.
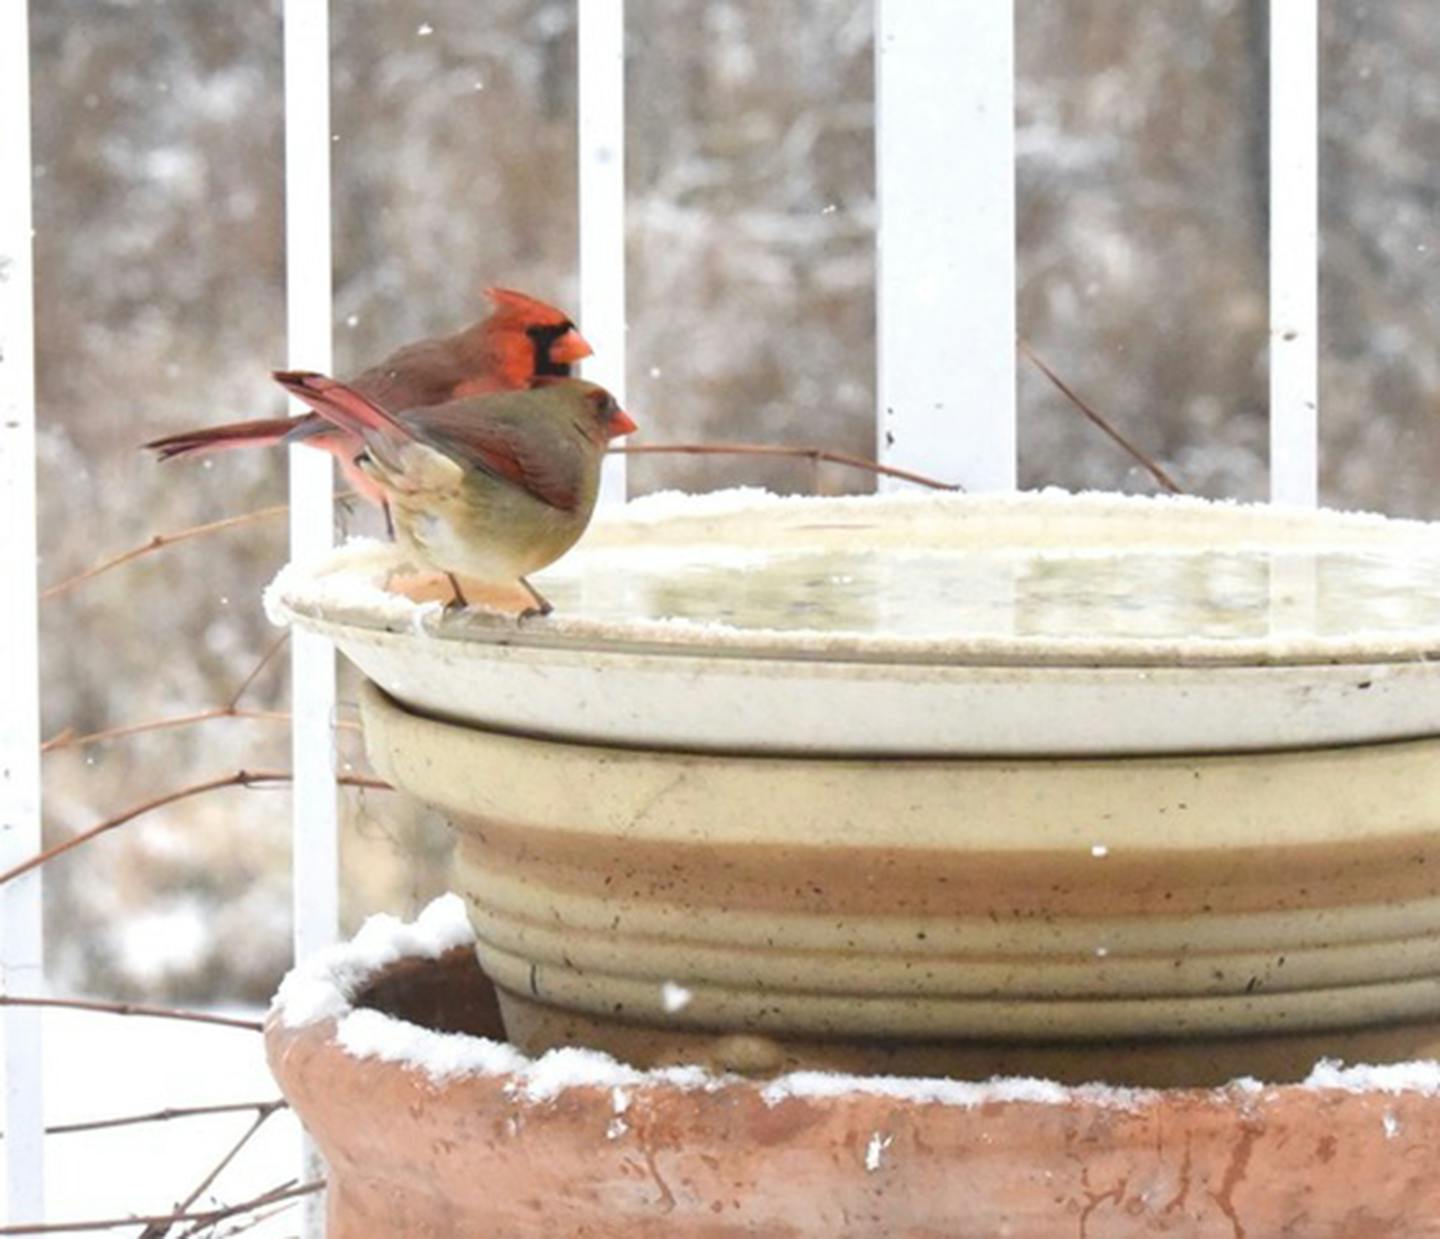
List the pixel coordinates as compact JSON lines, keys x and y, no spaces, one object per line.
{"x":570,"y":347}
{"x":621,"y":423}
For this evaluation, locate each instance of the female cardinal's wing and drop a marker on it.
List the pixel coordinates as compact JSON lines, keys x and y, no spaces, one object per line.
{"x":515,"y":438}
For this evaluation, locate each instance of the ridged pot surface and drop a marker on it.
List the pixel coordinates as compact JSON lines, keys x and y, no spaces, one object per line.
{"x":1168,"y":919}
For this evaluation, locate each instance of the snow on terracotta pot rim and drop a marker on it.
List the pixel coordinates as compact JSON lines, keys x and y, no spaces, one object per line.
{"x":431,"y":1129}
{"x":1170,"y":915}
{"x":912,"y":624}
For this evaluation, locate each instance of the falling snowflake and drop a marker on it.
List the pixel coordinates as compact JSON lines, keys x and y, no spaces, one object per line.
{"x":878,"y":1144}
{"x":674,"y":997}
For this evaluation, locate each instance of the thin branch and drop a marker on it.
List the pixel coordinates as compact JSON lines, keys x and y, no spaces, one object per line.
{"x":1147,"y":463}
{"x":158,"y":1230}
{"x":270,"y":651}
{"x":258,"y":1218}
{"x":68,"y":739}
{"x":288,"y":1192}
{"x":132,"y":1008}
{"x":158,"y":542}
{"x":166,"y":1115}
{"x":240,"y":778}
{"x":814,"y":454}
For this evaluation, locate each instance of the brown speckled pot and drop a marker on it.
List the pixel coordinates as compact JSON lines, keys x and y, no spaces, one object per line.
{"x":475,"y":1157}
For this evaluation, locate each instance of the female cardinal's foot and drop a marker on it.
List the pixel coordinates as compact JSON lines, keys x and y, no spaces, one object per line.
{"x":542,"y":604}
{"x":457,"y":603}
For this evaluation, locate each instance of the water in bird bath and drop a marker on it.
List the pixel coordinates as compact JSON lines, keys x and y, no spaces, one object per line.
{"x":1128,"y":594}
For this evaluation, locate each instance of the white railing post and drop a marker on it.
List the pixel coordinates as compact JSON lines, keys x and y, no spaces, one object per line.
{"x":1294,"y":251}
{"x":308,"y":289}
{"x":22,"y":960}
{"x":945,"y":285}
{"x":601,"y":92}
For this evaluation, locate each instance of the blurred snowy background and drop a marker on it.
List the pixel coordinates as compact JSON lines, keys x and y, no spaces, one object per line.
{"x":160,"y":303}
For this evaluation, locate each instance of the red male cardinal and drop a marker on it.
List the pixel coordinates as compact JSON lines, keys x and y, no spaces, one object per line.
{"x":522,"y":340}
{"x":490,"y":487}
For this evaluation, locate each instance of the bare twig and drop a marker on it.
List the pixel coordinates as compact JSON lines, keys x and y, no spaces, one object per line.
{"x":288,"y":1191}
{"x":131,"y":1008}
{"x":158,"y":1230}
{"x":167,"y":1114}
{"x":270,"y":651}
{"x":1147,"y":463}
{"x":68,"y":739}
{"x":158,"y":542}
{"x":814,"y":454}
{"x":258,"y":1218}
{"x":239,"y":778}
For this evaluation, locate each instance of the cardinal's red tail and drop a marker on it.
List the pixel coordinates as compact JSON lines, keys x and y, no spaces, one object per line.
{"x":340,"y":404}
{"x":264,"y":432}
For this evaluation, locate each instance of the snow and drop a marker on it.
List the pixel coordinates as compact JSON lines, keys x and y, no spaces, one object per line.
{"x":158,"y":941}
{"x":346,"y":578}
{"x":1422,"y":1076}
{"x":674,"y":997}
{"x":323,"y":986}
{"x":966,"y":1094}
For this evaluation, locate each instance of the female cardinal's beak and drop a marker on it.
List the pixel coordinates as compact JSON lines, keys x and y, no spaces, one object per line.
{"x":620,"y":424}
{"x":570,"y":347}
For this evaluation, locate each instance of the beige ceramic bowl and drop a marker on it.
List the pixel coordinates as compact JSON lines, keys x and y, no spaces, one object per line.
{"x":495,"y":1144}
{"x":955,"y":914}
{"x":1088,"y":625}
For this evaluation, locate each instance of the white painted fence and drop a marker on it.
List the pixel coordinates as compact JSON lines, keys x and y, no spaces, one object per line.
{"x":946,"y":251}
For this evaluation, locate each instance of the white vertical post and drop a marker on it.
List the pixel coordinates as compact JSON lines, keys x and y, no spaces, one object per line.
{"x":945,"y":286}
{"x":308,"y":289}
{"x":601,"y":91}
{"x":1294,"y":250}
{"x":22,"y":962}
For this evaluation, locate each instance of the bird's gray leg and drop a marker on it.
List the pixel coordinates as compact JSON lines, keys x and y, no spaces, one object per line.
{"x":542,"y":604}
{"x":457,"y":603}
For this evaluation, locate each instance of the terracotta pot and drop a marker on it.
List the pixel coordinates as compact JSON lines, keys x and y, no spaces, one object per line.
{"x":512,"y":1153}
{"x":1245,"y":913}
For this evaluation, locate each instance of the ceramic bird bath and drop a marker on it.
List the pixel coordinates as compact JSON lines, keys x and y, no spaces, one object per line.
{"x":1091,"y":787}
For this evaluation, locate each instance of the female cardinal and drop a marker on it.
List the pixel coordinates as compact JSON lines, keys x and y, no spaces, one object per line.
{"x":492,"y":487}
{"x":522,"y":340}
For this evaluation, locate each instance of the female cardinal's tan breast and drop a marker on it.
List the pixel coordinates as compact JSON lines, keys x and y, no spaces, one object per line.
{"x":487,"y":529}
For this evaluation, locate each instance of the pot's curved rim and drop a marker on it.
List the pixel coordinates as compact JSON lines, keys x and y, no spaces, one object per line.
{"x":315,"y":1001}
{"x":343,"y":593}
